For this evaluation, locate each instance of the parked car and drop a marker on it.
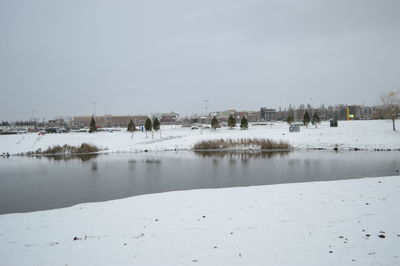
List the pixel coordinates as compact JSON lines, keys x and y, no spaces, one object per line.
{"x":56,"y":130}
{"x":51,"y":130}
{"x":78,"y":129}
{"x":62,"y":130}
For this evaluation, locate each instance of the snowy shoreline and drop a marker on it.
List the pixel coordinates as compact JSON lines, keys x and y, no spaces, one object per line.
{"x":347,"y":222}
{"x":350,"y":135}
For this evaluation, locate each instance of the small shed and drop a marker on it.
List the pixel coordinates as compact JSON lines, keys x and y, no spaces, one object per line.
{"x":294,"y":128}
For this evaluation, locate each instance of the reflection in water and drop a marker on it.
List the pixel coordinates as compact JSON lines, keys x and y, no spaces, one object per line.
{"x":132,"y":163}
{"x":94,"y":166}
{"x":83,"y":158}
{"x":155,"y":161}
{"x":242,"y":155}
{"x":146,"y":161}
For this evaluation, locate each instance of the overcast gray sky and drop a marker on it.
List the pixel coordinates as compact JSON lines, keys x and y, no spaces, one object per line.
{"x":58,"y":57}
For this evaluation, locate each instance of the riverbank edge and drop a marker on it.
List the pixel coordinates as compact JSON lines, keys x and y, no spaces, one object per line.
{"x":107,"y":151}
{"x":231,"y":230}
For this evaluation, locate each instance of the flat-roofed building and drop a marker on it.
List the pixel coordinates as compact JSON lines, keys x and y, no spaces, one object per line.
{"x":109,"y":120}
{"x":267,"y":114}
{"x":252,"y":116}
{"x":224,"y":115}
{"x":169,"y":118}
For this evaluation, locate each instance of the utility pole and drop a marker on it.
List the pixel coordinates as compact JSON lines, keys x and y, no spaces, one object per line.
{"x":205,"y":103}
{"x":33,"y":118}
{"x":294,"y":112}
{"x":206,"y":115}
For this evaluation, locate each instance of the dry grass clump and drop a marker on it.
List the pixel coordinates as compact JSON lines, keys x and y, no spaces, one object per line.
{"x":67,"y":149}
{"x":267,"y":144}
{"x":261,"y":144}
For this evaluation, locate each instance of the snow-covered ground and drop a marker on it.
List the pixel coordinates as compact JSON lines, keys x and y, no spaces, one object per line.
{"x":350,"y":134}
{"x":351,"y":222}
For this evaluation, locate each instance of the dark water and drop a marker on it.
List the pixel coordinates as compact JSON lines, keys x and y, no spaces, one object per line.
{"x":31,"y":184}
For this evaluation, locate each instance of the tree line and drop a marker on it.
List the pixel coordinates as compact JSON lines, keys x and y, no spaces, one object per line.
{"x":244,"y":124}
{"x":155,"y":124}
{"x":390,"y":108}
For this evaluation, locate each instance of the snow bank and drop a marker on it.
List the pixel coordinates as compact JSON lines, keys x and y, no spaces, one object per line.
{"x":352,"y":222}
{"x":368,"y":135}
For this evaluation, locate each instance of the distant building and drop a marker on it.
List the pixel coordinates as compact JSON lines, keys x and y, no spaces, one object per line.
{"x":239,"y":115}
{"x":252,"y":116}
{"x":213,"y":114}
{"x":169,"y":118}
{"x":224,"y":115}
{"x":205,"y":119}
{"x":109,"y":120}
{"x":267,"y":114}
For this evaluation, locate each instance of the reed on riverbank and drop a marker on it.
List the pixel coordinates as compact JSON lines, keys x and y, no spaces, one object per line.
{"x":242,"y":144}
{"x":84,"y":148}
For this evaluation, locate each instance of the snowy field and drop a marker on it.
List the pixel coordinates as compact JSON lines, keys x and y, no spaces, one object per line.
{"x":351,"y":222}
{"x":368,"y":135}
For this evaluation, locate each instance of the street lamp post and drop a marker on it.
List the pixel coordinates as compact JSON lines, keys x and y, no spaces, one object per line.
{"x":312,"y":107}
{"x":205,"y":103}
{"x":294,"y":112}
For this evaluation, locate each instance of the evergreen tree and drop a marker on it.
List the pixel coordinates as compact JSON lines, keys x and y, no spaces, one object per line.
{"x":231,"y":122}
{"x":92,"y":125}
{"x":306,"y":119}
{"x":290,"y":119}
{"x":243,"y":123}
{"x":156,"y":124}
{"x":214,"y":123}
{"x":147,"y":124}
{"x":315,"y":120}
{"x":131,"y":126}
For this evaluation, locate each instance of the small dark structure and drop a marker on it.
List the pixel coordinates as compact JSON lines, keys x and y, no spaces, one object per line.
{"x":333,"y":123}
{"x":294,"y":128}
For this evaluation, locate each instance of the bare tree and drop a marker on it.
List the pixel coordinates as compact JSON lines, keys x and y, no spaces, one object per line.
{"x":391,"y":105}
